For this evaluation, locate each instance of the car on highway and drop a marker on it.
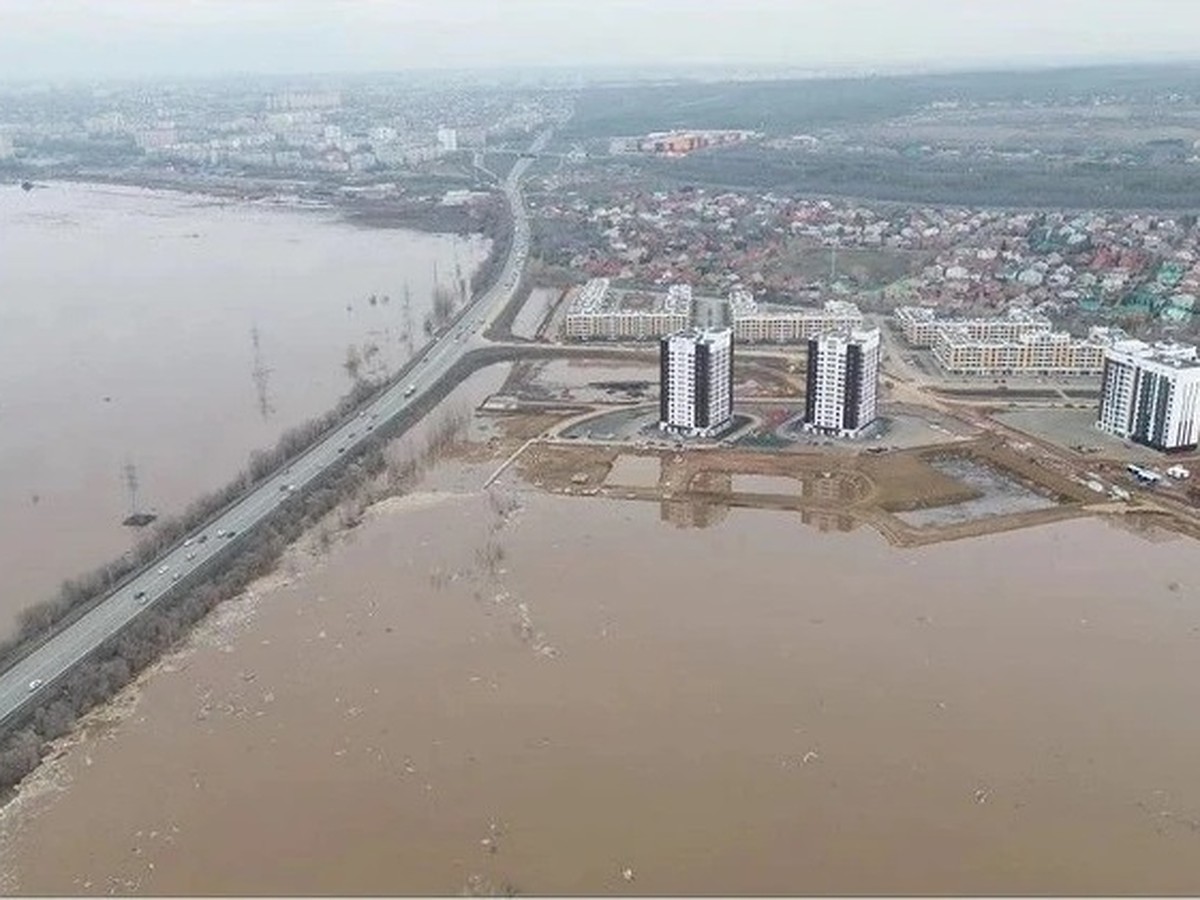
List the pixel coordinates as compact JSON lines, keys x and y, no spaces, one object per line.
{"x":188,"y":542}
{"x":341,"y":449}
{"x":162,"y":570}
{"x":140,"y":596}
{"x":202,"y":539}
{"x":35,"y":684}
{"x":410,"y":390}
{"x":175,"y":577}
{"x":191,"y":556}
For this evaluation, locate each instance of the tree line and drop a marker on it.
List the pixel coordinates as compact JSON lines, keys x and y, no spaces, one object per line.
{"x":892,"y":178}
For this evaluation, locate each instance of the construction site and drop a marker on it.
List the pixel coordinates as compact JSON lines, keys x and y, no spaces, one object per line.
{"x":945,"y":462}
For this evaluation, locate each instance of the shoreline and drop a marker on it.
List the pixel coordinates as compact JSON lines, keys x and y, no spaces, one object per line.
{"x":403,"y":212}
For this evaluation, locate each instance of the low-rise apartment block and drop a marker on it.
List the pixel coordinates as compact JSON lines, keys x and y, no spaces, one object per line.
{"x":756,"y":324}
{"x":1032,"y":353}
{"x":920,"y":325}
{"x":597,"y":312}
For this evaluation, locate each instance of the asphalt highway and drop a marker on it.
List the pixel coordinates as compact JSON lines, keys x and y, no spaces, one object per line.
{"x":35,"y":673}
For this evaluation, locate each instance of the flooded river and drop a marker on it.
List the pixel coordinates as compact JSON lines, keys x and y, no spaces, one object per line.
{"x":177,"y":334}
{"x":522,"y":692}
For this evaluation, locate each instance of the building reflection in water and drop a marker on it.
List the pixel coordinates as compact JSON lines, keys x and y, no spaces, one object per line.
{"x":699,"y":512}
{"x":824,"y":520}
{"x":699,"y":505}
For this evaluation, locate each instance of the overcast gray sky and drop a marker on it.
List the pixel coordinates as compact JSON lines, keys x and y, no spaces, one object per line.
{"x":70,"y":38}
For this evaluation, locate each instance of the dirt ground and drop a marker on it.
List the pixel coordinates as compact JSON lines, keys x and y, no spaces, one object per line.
{"x":866,"y":489}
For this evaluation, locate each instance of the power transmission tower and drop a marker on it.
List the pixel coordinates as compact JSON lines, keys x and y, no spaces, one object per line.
{"x":261,"y":375}
{"x":406,"y":313}
{"x":131,"y":486}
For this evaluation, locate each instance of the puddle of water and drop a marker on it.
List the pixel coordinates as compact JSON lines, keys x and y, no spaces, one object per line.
{"x":1002,"y":495}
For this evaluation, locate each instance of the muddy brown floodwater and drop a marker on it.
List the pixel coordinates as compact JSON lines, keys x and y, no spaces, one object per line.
{"x":522,"y":692}
{"x":128,"y":322}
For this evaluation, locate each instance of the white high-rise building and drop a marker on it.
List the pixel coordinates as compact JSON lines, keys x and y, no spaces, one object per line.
{"x":696,"y":381}
{"x":843,"y":382}
{"x":1150,"y":394}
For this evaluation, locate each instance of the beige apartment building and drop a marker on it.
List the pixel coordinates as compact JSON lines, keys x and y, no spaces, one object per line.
{"x":920,"y":325}
{"x":957,"y":350}
{"x":754,"y":324}
{"x":598,"y":313}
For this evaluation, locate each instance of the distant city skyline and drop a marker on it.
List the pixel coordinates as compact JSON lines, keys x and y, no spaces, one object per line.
{"x":69,"y":39}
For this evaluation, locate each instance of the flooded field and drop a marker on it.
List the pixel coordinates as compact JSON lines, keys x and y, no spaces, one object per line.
{"x":177,"y":334}
{"x":520,"y":692}
{"x":1001,"y":494}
